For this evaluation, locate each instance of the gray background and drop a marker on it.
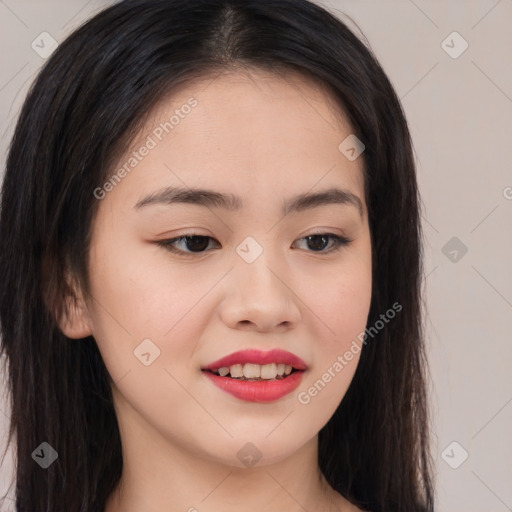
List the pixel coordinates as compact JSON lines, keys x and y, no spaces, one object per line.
{"x":459,"y":107}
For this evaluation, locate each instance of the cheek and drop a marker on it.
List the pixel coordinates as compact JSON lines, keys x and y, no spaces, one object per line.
{"x":343,"y":308}
{"x":341,"y":299}
{"x":140,"y":297}
{"x":336,"y":361}
{"x":144,"y":319}
{"x":349,"y":305}
{"x":131,"y":290}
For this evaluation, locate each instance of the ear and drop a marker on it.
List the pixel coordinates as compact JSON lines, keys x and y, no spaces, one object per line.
{"x":75,"y":321}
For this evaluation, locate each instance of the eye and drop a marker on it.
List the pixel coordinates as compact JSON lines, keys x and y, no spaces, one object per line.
{"x":319,"y":240}
{"x":197,"y":244}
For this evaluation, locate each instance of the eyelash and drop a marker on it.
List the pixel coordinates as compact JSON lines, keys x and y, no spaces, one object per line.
{"x":339,"y":242}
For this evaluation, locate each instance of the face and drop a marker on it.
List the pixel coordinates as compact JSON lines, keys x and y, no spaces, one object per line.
{"x":180,"y":282}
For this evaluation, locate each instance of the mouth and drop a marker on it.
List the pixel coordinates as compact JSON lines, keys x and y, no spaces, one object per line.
{"x":256,"y":376}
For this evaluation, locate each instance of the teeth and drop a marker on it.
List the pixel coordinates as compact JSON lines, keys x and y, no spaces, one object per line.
{"x":236,"y":370}
{"x":251,"y":371}
{"x":269,"y":371}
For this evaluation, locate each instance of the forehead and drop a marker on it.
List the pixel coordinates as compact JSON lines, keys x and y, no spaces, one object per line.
{"x":245,"y":130}
{"x":279,"y":95}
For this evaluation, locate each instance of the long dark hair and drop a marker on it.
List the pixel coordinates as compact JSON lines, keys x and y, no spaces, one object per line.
{"x":85,"y":106}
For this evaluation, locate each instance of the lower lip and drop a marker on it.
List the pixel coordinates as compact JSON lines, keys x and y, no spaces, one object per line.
{"x":257,"y":391}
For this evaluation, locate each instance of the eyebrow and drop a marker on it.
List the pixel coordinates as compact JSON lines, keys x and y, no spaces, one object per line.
{"x":212,"y":199}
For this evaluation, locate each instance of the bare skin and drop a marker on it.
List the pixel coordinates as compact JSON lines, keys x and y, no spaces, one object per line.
{"x":265,"y":139}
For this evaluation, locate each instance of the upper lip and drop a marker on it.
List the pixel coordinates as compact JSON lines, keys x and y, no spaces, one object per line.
{"x":258,"y":357}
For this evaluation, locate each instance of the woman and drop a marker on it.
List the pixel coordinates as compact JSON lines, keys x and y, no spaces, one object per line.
{"x":211,"y":268}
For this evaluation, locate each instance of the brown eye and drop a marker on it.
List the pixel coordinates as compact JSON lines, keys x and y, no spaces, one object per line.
{"x":191,"y":243}
{"x":319,"y":241}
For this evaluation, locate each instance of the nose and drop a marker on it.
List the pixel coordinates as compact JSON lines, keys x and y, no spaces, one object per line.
{"x":260,"y":296}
